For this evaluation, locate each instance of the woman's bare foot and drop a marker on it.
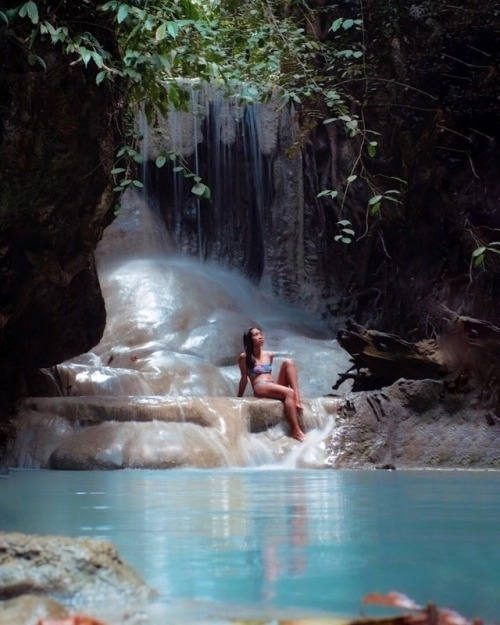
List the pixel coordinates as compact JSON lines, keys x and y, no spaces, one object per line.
{"x":298,"y":435}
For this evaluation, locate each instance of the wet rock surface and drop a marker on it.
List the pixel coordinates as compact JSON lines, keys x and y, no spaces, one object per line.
{"x":409,"y":424}
{"x":77,"y":570}
{"x":415,"y":424}
{"x":29,"y":609}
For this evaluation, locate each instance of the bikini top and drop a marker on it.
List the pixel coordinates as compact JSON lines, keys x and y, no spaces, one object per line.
{"x":260,"y":369}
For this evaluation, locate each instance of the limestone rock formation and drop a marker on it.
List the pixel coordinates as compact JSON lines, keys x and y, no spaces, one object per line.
{"x":415,"y":424}
{"x":58,"y":132}
{"x":47,"y":576}
{"x":77,"y":570}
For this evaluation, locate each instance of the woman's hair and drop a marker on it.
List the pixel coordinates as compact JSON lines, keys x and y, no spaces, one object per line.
{"x":248,"y":345}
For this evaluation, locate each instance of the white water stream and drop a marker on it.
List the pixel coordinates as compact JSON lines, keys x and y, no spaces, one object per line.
{"x":159,"y":390}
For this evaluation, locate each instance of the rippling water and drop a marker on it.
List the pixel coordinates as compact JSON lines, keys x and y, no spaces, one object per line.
{"x":272,"y":538}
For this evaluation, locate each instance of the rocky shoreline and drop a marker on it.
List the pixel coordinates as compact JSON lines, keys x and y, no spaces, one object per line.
{"x":411,"y":424}
{"x":50,"y":577}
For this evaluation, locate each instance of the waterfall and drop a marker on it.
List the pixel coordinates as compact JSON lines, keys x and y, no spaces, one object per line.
{"x":256,"y":220}
{"x":159,"y":389}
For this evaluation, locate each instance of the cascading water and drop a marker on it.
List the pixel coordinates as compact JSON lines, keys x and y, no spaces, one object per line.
{"x":159,"y":389}
{"x":257,"y":219}
{"x":219,"y":140}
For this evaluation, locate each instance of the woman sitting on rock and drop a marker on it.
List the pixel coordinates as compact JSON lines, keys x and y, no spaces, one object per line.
{"x":256,"y":365}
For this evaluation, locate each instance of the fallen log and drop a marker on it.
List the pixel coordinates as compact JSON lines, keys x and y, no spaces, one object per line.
{"x":379,"y":359}
{"x":468,"y":349}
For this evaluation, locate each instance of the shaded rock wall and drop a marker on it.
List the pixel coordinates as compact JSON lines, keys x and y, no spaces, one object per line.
{"x":427,"y":85}
{"x":58,"y":133}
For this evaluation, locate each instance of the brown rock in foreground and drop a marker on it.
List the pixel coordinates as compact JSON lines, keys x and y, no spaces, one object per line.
{"x":76,"y":570}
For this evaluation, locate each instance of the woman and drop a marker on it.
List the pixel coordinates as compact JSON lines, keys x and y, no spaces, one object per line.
{"x":256,"y":365}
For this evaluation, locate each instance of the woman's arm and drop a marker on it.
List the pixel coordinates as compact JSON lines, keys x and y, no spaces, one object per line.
{"x":242,"y":363}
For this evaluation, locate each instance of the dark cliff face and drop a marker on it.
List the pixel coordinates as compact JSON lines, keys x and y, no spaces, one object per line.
{"x":58,"y":136}
{"x":427,"y":86}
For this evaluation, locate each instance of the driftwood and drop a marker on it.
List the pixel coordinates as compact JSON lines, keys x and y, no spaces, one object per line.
{"x":379,"y":359}
{"x":467,"y":350}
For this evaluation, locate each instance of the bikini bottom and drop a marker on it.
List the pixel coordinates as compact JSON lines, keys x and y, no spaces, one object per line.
{"x":263,"y":382}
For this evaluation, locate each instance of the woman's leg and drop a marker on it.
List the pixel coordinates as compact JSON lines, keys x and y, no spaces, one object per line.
{"x":288,"y":377}
{"x":288,"y":396}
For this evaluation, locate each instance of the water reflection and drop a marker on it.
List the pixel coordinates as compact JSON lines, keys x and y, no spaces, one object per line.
{"x":308,"y":540}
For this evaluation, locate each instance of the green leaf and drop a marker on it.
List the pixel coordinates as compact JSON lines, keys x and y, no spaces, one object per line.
{"x":328,"y":192}
{"x":4,"y":17}
{"x":40,"y":61}
{"x":161,"y":32}
{"x":372,"y":150}
{"x":351,"y":178}
{"x":174,"y":95}
{"x":173,"y":29}
{"x":342,"y":239}
{"x":86,"y":55}
{"x":160,"y":161}
{"x":100,"y":77}
{"x":118,"y":170}
{"x":479,"y":251}
{"x":374,"y":200}
{"x":31,"y":10}
{"x":137,"y":183}
{"x":344,"y":222}
{"x":122,"y":13}
{"x":392,"y":199}
{"x":199,"y":189}
{"x":98,"y":60}
{"x":347,"y":24}
{"x":336,"y":24}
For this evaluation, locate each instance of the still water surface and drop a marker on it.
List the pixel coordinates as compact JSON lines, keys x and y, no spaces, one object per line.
{"x":272,"y":538}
